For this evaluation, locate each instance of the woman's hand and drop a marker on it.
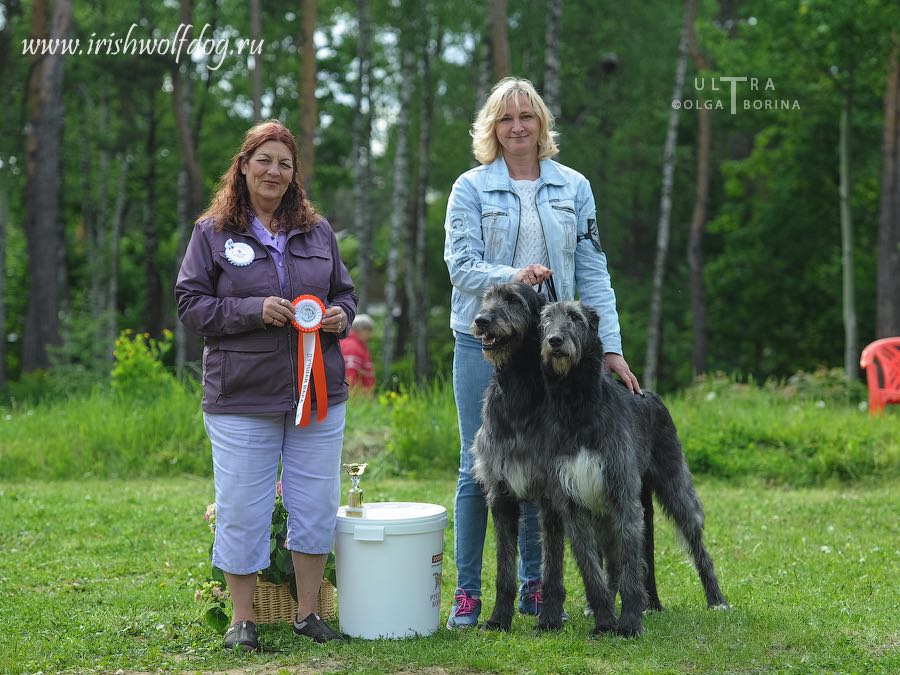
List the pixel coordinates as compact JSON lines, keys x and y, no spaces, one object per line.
{"x":617,"y":364}
{"x":277,"y":311}
{"x":335,"y":320}
{"x":533,"y":274}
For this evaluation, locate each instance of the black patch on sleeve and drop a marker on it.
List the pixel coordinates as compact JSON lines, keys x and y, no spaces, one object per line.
{"x":593,"y":234}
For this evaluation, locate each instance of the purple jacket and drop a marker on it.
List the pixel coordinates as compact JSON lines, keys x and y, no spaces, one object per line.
{"x":249,"y":367}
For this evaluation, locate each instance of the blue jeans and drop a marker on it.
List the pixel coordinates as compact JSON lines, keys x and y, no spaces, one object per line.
{"x":471,"y":375}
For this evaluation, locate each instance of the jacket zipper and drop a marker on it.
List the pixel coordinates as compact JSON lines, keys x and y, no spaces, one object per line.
{"x":287,"y":267}
{"x":567,"y":209}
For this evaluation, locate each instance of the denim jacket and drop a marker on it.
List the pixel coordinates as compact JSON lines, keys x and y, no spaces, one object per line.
{"x":481,"y":231}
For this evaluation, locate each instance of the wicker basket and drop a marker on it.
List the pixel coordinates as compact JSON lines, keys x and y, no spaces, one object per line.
{"x":273,"y":602}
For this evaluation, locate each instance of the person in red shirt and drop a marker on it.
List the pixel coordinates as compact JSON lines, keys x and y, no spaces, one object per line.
{"x":360,"y":373}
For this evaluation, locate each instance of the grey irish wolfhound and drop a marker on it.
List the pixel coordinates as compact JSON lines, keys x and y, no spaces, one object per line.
{"x":601,"y":442}
{"x":508,"y":458}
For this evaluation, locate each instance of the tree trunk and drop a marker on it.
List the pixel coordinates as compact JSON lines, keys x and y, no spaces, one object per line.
{"x":152,"y":282}
{"x":256,"y":69}
{"x":851,"y":346}
{"x":191,"y":202}
{"x":665,"y":210}
{"x":112,"y":311}
{"x":698,"y":218}
{"x":551,"y":57}
{"x":499,"y":40}
{"x":418,"y":299}
{"x":399,"y":223}
{"x":362,"y":132}
{"x":42,"y":229}
{"x":309,"y":110}
{"x":887,"y":318}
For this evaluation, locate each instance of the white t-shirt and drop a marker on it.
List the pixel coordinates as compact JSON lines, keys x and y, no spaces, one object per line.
{"x":530,"y":247}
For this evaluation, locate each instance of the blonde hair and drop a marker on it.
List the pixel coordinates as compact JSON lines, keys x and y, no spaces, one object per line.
{"x":485,"y":145}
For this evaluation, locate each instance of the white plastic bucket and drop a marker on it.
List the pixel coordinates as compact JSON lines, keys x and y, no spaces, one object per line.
{"x":389,"y":564}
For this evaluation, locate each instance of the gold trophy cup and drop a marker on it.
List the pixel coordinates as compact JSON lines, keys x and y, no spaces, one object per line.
{"x":355,"y":495}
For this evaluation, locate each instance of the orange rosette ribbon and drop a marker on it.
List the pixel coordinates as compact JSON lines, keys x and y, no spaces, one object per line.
{"x":308,"y":314}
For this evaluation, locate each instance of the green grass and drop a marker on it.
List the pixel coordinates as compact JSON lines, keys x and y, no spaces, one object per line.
{"x":783,"y":436}
{"x":100,"y":575}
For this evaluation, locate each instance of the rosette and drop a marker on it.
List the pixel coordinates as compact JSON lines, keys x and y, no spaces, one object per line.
{"x":308,"y":314}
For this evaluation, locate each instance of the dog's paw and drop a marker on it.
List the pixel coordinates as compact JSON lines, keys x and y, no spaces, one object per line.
{"x":654,"y":606}
{"x":542,"y":626}
{"x":723,"y":606}
{"x":495,"y":624}
{"x":630,"y":628}
{"x":603,"y":628}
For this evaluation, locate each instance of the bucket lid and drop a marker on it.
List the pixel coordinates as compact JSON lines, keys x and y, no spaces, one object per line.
{"x":396,"y":517}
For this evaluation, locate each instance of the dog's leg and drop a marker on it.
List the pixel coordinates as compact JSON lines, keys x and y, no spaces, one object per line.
{"x":553,"y":588}
{"x":630,"y":528}
{"x":653,"y":602}
{"x":505,"y":512}
{"x":601,"y":595}
{"x":680,"y":501}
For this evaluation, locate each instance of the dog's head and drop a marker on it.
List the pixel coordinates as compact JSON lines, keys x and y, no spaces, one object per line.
{"x":568,"y":332}
{"x":508,"y":316}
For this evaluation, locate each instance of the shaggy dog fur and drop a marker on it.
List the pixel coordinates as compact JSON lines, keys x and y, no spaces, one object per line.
{"x":599,"y":443}
{"x":505,"y":447}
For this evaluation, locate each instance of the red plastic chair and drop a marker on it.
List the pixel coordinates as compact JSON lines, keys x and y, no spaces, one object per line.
{"x":881,"y":359}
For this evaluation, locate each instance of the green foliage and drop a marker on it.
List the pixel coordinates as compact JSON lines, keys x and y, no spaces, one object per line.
{"x":102,"y":434}
{"x":798,"y":433}
{"x":424,"y":430}
{"x":139,"y":371}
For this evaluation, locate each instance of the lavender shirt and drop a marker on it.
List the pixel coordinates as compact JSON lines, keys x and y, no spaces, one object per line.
{"x":275,"y":243}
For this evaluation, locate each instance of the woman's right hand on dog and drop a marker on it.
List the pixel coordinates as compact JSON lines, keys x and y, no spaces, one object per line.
{"x":533,"y":274}
{"x":277,"y":311}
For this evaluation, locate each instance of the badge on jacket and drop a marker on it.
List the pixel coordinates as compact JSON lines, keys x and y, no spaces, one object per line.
{"x":239,"y":254}
{"x":593,"y":233}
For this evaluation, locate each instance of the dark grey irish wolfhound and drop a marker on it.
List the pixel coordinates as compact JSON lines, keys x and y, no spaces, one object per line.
{"x":602,"y":442}
{"x":508,"y":455}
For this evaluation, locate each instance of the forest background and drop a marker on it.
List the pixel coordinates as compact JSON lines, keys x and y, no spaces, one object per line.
{"x":744,"y":156}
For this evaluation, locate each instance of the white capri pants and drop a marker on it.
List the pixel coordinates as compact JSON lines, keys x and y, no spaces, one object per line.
{"x":245,"y":453}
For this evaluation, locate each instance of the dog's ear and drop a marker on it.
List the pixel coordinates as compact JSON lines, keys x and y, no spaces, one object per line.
{"x":593,"y":318}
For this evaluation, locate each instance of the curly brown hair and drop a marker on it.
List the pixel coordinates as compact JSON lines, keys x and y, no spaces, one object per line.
{"x":231,"y":203}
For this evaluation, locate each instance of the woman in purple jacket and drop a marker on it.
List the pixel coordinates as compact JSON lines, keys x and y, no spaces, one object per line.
{"x":258,"y":246}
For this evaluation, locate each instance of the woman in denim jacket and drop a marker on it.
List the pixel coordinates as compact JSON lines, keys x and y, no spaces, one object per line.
{"x":520,"y":216}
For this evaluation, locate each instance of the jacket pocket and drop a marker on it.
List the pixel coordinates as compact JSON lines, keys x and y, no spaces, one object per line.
{"x":311,"y":268}
{"x":494,"y":232}
{"x":564,"y":210}
{"x":246,"y":366}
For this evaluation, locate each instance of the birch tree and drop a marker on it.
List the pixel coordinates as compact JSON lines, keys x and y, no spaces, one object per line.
{"x":701,"y":197}
{"x":417,"y":281}
{"x":399,"y":221}
{"x":362,"y":133}
{"x":651,"y":360}
{"x":309,"y":110}
{"x":551,"y":57}
{"x":256,"y":67}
